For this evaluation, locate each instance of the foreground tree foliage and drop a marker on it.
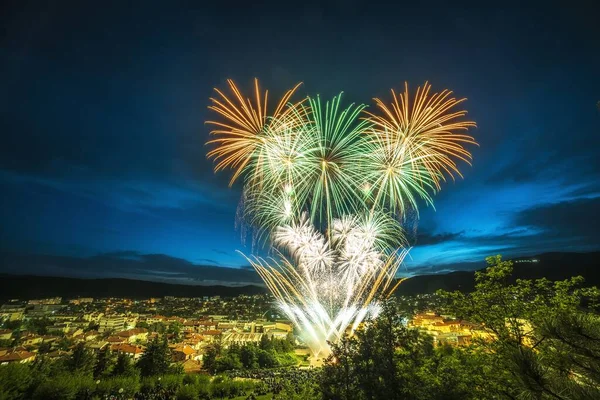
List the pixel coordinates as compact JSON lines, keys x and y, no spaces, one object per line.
{"x":533,"y":339}
{"x":387,"y":360}
{"x":543,"y":337}
{"x":270,"y":353}
{"x":82,"y":360}
{"x":156,"y":359}
{"x":84,"y":374}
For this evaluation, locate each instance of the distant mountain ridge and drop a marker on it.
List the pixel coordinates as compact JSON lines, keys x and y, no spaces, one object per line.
{"x":35,"y":287}
{"x":554,"y":266}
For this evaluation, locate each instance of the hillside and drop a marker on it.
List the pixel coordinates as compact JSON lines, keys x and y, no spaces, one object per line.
{"x":32,"y":287}
{"x":554,"y":266}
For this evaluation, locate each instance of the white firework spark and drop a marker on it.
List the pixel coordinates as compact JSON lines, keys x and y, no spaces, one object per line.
{"x":328,"y":284}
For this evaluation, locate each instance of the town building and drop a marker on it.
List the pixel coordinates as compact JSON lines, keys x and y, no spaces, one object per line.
{"x":112,"y":323}
{"x":17,"y":356}
{"x":134,"y":335}
{"x":5,"y":334}
{"x":132,"y":351}
{"x":52,"y":300}
{"x":12,"y":312}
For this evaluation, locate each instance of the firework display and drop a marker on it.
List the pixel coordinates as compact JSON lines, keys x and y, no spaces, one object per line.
{"x":329,"y":187}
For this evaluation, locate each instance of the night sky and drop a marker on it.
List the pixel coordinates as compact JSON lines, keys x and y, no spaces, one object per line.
{"x":102,"y":109}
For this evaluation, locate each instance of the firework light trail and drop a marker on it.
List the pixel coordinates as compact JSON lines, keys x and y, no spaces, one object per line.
{"x":330,"y":187}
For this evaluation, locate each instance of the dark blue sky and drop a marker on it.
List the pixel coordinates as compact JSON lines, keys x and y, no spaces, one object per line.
{"x":102,"y":110}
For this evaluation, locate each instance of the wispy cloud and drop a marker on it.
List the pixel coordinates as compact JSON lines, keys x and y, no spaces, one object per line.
{"x":127,"y":264}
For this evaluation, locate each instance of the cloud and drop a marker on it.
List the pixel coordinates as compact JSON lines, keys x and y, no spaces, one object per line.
{"x":122,"y":254}
{"x":569,"y":219}
{"x":409,"y":271}
{"x":587,"y":190}
{"x":128,"y":195}
{"x":126,"y":264}
{"x":426,"y":239}
{"x":222,"y":252}
{"x":559,"y":226}
{"x":209,"y":260}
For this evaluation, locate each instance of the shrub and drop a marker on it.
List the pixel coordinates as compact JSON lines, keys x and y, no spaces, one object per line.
{"x":187,"y":392}
{"x":60,"y":388}
{"x":14,"y":381}
{"x":171,"y":382}
{"x":128,"y":386}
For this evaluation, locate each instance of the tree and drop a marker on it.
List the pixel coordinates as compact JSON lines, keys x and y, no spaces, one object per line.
{"x":156,"y":359}
{"x":158,"y":327}
{"x":43,"y":367}
{"x":104,"y":364}
{"x":174,"y":330}
{"x":12,"y":325}
{"x":249,"y":357}
{"x":65,"y":387}
{"x":281,"y":345}
{"x":142,"y":324}
{"x":338,"y":380}
{"x":387,"y":360}
{"x":540,"y":340}
{"x":124,"y":366}
{"x":306,"y":391}
{"x":265,"y":343}
{"x":39,"y":325}
{"x":227,"y":362}
{"x":266,"y":359}
{"x":213,"y":351}
{"x":59,"y":388}
{"x":64,"y":343}
{"x":92,"y":326}
{"x":45,"y":347}
{"x":291,"y":340}
{"x":187,"y":392}
{"x":82,"y":360}
{"x":450,"y":374}
{"x":15,"y":379}
{"x":118,"y":387}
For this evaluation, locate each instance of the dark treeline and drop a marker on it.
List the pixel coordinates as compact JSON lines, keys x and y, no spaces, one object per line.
{"x":548,"y":265}
{"x":35,"y":287}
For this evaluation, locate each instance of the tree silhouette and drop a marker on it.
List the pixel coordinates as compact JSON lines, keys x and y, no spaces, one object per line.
{"x":156,"y":359}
